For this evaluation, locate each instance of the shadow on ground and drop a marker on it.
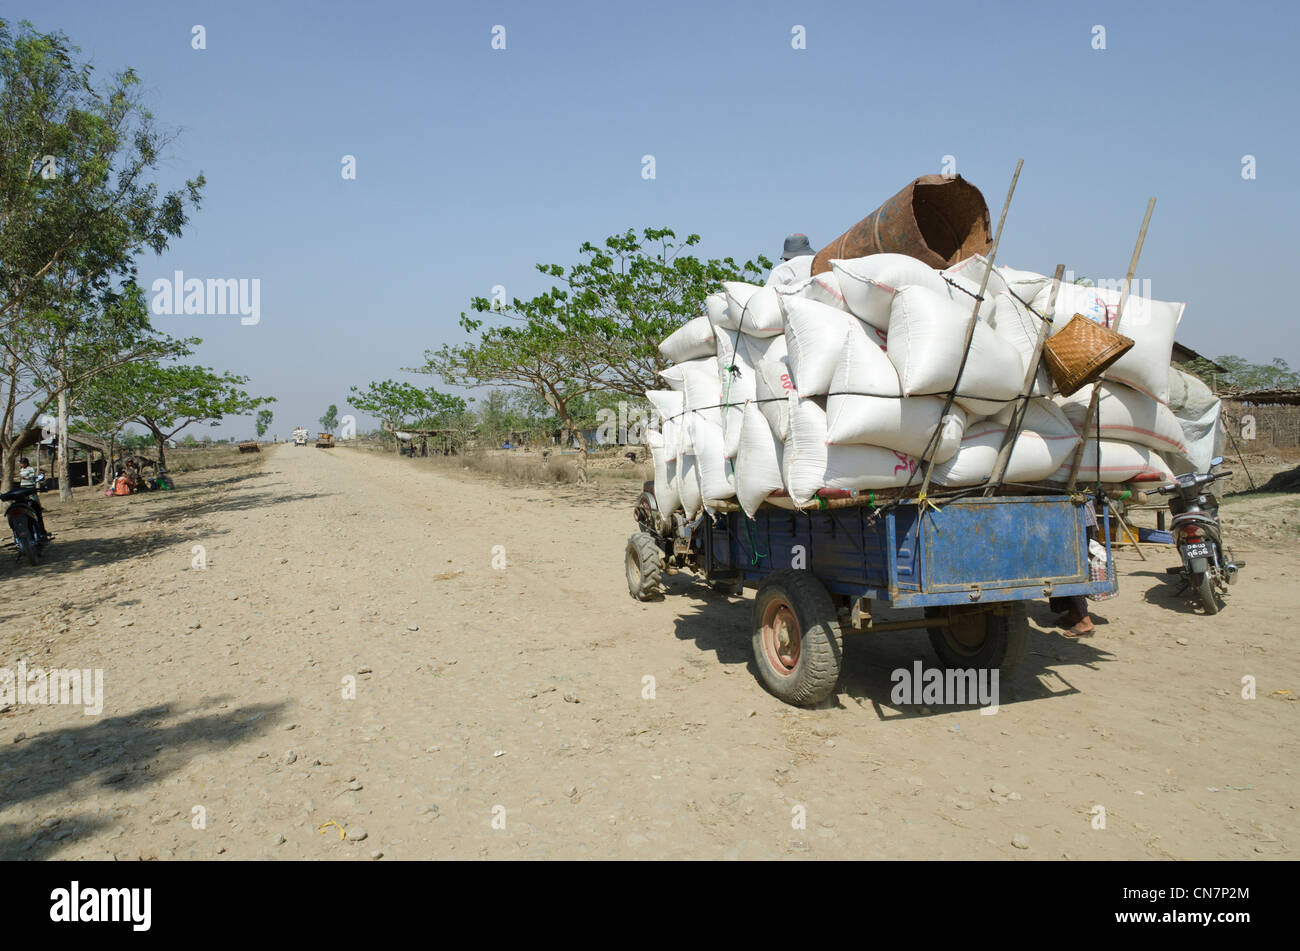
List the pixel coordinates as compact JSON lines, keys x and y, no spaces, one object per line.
{"x":721,"y":624}
{"x":114,"y":755}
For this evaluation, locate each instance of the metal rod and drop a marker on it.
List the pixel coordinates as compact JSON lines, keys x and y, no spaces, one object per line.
{"x":1242,"y":459}
{"x":1096,"y":384}
{"x":975,"y":314}
{"x":1031,"y":372}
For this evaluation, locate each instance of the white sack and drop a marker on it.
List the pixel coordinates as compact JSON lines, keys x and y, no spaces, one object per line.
{"x":1126,"y":416}
{"x":866,"y":298}
{"x":804,"y":460}
{"x":666,"y":496}
{"x":674,"y":376}
{"x":773,"y":384}
{"x":926,"y":333}
{"x":825,"y":289}
{"x":1024,"y":284}
{"x":792,"y":271}
{"x":691,"y":340}
{"x":702,"y":388}
{"x":968,"y":274}
{"x":715,"y":305}
{"x":1014,"y":323}
{"x":668,"y":407}
{"x":904,"y":424}
{"x":1120,"y":462}
{"x":1198,"y":412}
{"x":737,"y":381}
{"x":688,"y":485}
{"x":1046,"y":441}
{"x":814,"y":337}
{"x":758,"y":463}
{"x":864,"y":405}
{"x":1149,"y":323}
{"x":869,"y":467}
{"x":895,"y":271}
{"x":752,"y":309}
{"x":714,"y":468}
{"x":810,"y":464}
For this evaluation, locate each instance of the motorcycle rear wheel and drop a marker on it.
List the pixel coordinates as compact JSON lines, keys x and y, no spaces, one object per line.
{"x":1204,"y":585}
{"x":25,"y":538}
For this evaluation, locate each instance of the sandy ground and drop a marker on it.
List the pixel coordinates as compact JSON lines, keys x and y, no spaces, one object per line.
{"x":502,"y":712}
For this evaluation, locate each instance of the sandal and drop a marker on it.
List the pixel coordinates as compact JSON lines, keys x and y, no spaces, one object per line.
{"x":1077,"y":630}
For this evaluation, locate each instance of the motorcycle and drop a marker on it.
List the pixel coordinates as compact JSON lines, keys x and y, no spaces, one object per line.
{"x":26,"y":522}
{"x":1207,"y":565}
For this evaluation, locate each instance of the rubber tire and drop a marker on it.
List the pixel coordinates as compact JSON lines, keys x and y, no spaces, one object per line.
{"x":644,"y":565}
{"x":821,"y":648}
{"x":1205,"y":588}
{"x":1006,"y":640}
{"x":25,"y":537}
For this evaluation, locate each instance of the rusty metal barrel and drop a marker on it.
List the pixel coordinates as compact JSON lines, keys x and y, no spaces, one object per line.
{"x":935,"y":219}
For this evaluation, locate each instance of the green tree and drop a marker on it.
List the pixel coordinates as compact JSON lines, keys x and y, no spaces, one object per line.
{"x":264,"y":417}
{"x":597,"y":328}
{"x":402,"y":405}
{"x":167,"y":399}
{"x":1243,"y":376}
{"x":77,"y":205}
{"x":330,"y":420}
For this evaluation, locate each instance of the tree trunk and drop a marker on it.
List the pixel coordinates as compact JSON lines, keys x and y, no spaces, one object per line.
{"x":582,"y":455}
{"x":160,"y":442}
{"x":61,"y":440}
{"x":108,"y":460}
{"x":562,"y":408}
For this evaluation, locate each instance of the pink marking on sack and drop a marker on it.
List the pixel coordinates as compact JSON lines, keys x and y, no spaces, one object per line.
{"x":908,"y":464}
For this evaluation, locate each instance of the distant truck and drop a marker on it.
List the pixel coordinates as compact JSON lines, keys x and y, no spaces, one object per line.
{"x":300,"y":436}
{"x":325,"y":441}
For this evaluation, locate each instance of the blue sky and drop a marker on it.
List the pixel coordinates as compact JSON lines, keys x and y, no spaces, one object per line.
{"x":473,"y":163}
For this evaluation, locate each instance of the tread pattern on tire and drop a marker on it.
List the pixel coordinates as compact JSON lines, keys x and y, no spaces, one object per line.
{"x":1205,"y":588}
{"x":650,"y":560}
{"x":26,"y":531}
{"x":821,"y":650}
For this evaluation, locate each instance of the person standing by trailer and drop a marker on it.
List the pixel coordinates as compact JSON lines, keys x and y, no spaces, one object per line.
{"x":796,"y":262}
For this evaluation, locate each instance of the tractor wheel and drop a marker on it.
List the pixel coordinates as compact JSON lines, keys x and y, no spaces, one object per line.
{"x":979,"y":638}
{"x":797,"y":642}
{"x":644,"y":565}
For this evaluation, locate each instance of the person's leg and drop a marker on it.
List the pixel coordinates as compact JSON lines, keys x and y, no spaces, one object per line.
{"x":1082,"y":626}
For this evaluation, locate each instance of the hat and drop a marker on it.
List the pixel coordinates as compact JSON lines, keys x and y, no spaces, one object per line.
{"x":796,"y":246}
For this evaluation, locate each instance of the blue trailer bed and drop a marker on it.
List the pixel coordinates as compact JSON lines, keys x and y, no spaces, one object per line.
{"x":1004,"y":548}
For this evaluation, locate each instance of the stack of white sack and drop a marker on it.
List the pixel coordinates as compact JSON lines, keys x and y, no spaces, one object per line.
{"x":842,"y":381}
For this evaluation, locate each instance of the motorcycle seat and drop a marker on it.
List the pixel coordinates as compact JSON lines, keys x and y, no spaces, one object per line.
{"x":20,"y":493}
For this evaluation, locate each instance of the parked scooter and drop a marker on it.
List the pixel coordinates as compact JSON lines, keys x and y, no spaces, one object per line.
{"x":1207,"y":566}
{"x":26,"y":521}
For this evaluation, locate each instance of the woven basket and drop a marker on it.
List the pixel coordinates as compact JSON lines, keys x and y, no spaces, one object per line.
{"x":1081,"y":351}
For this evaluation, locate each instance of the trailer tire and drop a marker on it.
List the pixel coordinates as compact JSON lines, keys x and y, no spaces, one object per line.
{"x":797,"y":642}
{"x":644,"y":565}
{"x":1001,"y":644}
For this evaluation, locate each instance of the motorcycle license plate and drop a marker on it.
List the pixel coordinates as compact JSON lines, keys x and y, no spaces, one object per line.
{"x":1198,"y":550}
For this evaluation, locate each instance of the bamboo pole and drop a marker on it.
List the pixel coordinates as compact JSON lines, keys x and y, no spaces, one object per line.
{"x":975,"y":312}
{"x":1031,"y":372}
{"x":1119,"y":314}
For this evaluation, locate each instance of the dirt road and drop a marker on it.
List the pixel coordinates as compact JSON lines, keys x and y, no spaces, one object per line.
{"x":342,"y":655}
